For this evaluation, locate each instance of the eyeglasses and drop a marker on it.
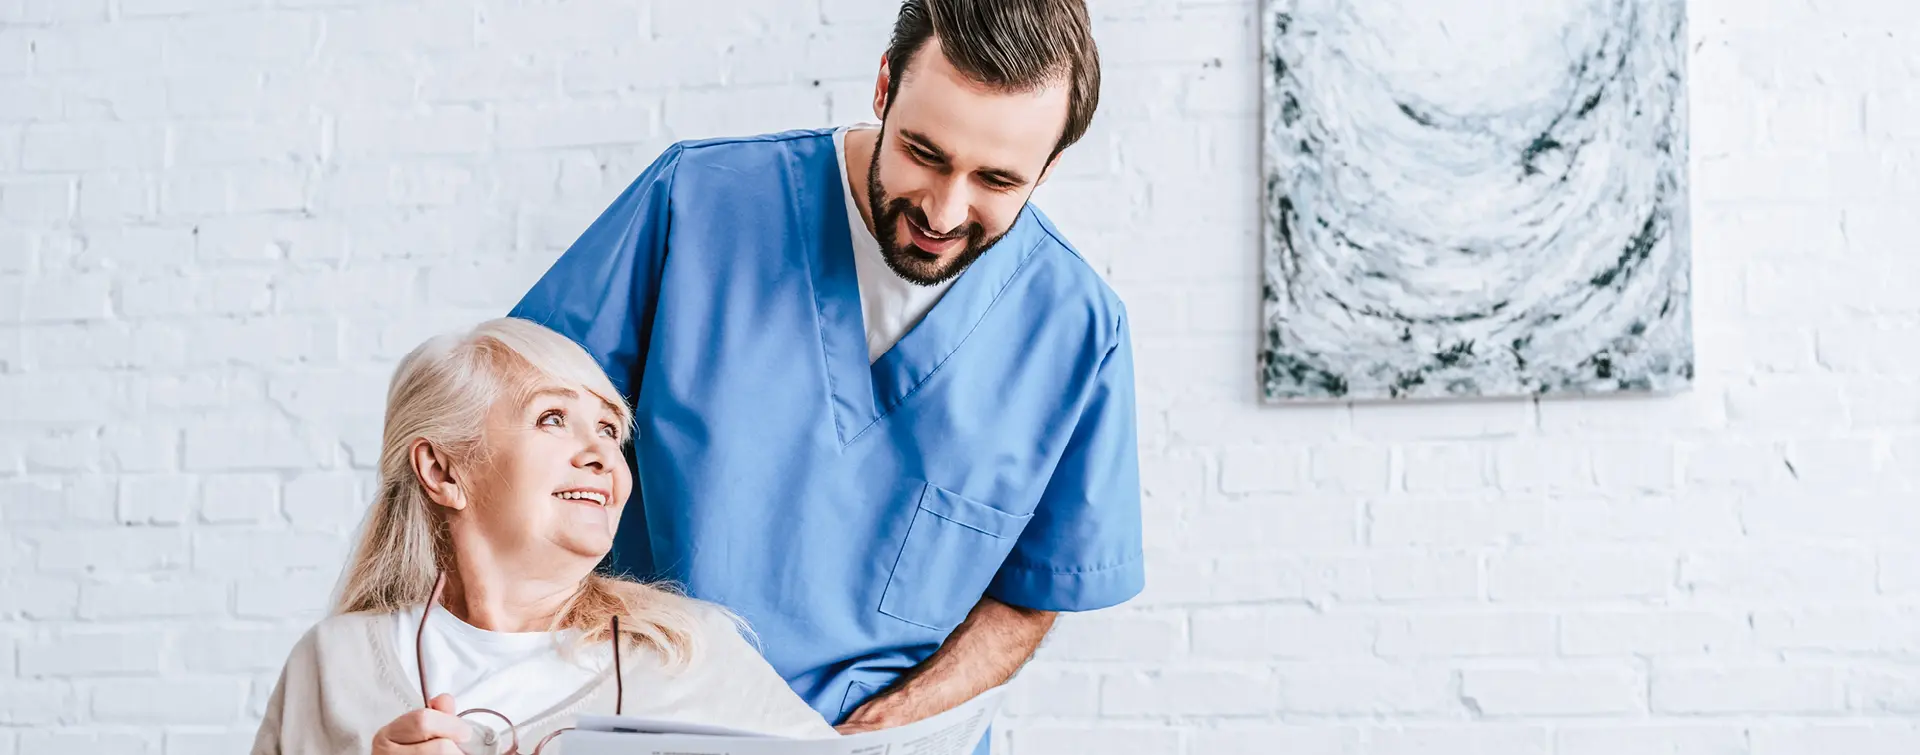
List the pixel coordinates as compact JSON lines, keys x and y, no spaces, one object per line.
{"x":488,"y":737}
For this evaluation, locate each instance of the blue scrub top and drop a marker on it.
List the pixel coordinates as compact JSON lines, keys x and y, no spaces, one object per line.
{"x":852,"y":513}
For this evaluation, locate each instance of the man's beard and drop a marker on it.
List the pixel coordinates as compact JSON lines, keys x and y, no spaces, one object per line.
{"x":905,"y":259}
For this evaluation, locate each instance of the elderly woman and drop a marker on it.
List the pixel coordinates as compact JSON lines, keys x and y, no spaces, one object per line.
{"x":501,"y":484}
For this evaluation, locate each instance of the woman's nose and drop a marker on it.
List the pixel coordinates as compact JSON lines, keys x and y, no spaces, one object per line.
{"x":592,"y":455}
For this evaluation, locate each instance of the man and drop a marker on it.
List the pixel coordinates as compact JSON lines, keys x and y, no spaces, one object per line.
{"x":886,"y":412}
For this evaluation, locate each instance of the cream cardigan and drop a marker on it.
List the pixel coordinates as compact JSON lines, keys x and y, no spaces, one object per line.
{"x":342,"y":683}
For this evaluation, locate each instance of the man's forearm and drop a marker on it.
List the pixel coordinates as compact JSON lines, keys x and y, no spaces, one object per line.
{"x":983,"y":652}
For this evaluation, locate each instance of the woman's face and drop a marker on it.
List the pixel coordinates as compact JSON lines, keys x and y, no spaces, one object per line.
{"x":554,"y":480}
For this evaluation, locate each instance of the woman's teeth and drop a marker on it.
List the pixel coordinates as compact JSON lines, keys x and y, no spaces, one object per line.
{"x":580,"y":495}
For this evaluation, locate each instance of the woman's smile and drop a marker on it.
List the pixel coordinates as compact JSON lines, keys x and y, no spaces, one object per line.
{"x":595,"y":496}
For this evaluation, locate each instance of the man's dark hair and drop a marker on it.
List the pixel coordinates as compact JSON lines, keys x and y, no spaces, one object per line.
{"x":1010,"y":45}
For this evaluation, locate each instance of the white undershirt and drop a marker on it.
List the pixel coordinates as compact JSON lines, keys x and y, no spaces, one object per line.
{"x":890,"y":304}
{"x":520,"y":674}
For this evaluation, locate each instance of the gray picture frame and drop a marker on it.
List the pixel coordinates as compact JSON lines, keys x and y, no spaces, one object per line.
{"x":1473,"y":205}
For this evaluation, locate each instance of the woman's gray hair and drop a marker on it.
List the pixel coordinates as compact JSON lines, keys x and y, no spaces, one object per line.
{"x":441,"y":393}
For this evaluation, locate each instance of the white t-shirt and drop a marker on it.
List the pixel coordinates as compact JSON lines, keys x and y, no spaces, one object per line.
{"x":520,"y":674}
{"x":890,"y":304}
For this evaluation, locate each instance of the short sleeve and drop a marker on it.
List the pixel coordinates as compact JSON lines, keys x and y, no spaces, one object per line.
{"x":601,"y":292}
{"x":1082,"y":550}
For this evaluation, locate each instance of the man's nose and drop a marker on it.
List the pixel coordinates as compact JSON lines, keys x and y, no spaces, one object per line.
{"x":946,"y":209}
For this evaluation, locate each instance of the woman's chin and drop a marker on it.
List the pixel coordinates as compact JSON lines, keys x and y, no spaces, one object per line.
{"x":587,"y":547}
{"x":582,"y":530}
{"x":585,"y":541}
{"x":580,"y":517}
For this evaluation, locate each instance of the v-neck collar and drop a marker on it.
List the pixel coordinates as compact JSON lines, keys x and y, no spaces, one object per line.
{"x":861,"y":393}
{"x":890,"y":304}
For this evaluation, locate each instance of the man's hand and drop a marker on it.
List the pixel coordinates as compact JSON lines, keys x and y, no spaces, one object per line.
{"x":890,"y":708}
{"x":874,"y":715}
{"x":982,"y":653}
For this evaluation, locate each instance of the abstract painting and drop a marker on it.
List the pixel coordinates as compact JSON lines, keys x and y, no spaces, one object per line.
{"x":1470,"y":198}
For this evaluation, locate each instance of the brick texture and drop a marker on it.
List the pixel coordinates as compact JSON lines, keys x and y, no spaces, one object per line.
{"x":223,"y":221}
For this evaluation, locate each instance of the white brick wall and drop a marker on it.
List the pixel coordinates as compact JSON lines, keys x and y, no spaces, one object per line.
{"x":221,"y":221}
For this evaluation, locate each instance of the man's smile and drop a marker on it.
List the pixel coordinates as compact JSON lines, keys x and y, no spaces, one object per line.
{"x":931,"y":244}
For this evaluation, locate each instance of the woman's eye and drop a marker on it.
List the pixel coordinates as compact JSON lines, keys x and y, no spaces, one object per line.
{"x":553,"y":418}
{"x":610,"y":431}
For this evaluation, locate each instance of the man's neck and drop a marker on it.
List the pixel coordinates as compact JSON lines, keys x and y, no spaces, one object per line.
{"x":860,"y":146}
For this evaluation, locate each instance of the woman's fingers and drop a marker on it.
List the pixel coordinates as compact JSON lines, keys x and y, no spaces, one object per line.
{"x":415,"y":727}
{"x":383,"y":746}
{"x":433,"y":730}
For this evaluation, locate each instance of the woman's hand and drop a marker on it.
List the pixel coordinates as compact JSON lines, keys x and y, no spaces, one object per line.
{"x":432,"y":730}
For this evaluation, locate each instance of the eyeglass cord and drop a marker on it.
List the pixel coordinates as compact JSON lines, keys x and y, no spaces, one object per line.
{"x":426,"y":699}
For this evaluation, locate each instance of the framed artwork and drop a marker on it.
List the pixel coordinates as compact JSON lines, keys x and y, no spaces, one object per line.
{"x":1470,"y":198}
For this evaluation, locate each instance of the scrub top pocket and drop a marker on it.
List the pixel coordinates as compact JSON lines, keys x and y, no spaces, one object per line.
{"x":857,"y":694}
{"x":953,"y":548}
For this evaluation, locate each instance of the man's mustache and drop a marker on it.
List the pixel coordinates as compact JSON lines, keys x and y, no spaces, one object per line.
{"x":917,"y":217}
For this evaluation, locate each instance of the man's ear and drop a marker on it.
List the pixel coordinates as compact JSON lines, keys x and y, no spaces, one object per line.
{"x":880,"y":90}
{"x":435,"y":471}
{"x":1047,"y":171}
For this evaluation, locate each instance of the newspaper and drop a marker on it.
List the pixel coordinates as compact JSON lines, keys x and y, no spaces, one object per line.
{"x":955,"y":732}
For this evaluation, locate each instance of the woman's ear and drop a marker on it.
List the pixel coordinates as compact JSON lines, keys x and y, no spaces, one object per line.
{"x":435,"y":472}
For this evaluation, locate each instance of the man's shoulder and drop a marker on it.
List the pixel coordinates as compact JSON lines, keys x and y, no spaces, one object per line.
{"x":752,"y":140}
{"x":720,"y":167}
{"x":731,"y":151}
{"x":1067,"y":273}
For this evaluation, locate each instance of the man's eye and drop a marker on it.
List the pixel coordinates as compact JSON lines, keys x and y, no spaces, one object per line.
{"x":921,"y":155}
